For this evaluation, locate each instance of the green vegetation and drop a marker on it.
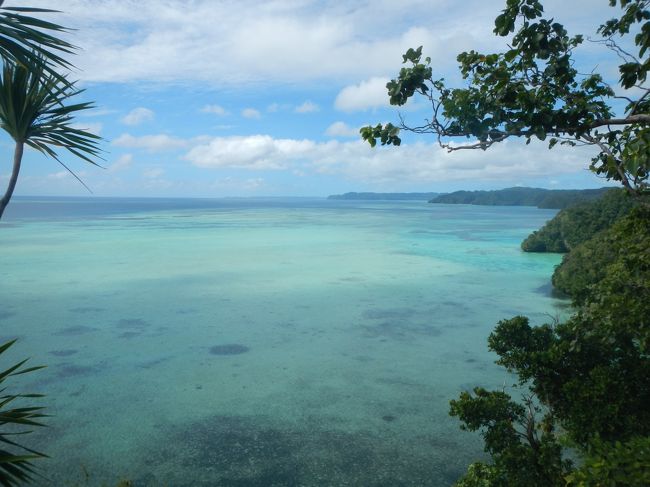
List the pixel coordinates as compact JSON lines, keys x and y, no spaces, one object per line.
{"x":580,"y":222}
{"x":28,"y":41}
{"x":520,"y":196}
{"x":15,"y":459}
{"x":383,"y":196}
{"x":33,"y":96}
{"x":578,"y":414}
{"x":532,"y":90}
{"x":587,"y":380}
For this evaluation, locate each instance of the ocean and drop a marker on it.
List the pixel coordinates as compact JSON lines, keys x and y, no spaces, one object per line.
{"x":261,"y":342}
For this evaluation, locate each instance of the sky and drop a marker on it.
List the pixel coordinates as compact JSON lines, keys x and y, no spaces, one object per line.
{"x":211,"y":98}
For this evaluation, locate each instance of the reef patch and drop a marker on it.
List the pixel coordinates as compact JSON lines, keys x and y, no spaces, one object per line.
{"x":229,"y":349}
{"x":75,"y":330}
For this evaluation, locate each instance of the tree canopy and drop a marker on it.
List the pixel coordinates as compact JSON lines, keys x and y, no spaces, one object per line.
{"x":533,"y":90}
{"x":578,"y":413}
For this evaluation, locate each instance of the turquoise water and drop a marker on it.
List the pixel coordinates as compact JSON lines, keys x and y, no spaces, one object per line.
{"x":262,"y":342}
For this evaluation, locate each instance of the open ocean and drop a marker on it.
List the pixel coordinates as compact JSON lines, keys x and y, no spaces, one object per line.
{"x":261,"y":342}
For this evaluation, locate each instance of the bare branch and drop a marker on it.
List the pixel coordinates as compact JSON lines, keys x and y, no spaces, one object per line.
{"x":603,"y":147}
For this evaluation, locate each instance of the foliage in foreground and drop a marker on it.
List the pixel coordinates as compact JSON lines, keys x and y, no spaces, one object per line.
{"x":16,"y":459}
{"x":584,"y":418}
{"x":534,"y":91}
{"x":28,"y":41}
{"x":588,"y":380}
{"x":35,"y":108}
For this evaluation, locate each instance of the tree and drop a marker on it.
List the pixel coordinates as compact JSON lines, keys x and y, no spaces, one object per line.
{"x":532,"y":90}
{"x":585,"y":383}
{"x":33,"y":112}
{"x":33,"y":94}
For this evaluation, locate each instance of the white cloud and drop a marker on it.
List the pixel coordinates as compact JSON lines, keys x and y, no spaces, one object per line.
{"x":411,"y":163}
{"x":250,"y":152}
{"x":283,"y":40}
{"x":214,"y":109}
{"x":150,"y":143}
{"x":367,"y":94}
{"x":251,"y":113}
{"x":137,"y":116}
{"x":341,"y":129}
{"x":259,"y":42}
{"x":123,"y":162}
{"x":307,"y":107}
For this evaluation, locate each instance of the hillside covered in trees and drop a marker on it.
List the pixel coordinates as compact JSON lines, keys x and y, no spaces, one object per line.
{"x":579,"y":223}
{"x":596,"y":236}
{"x":521,"y":196}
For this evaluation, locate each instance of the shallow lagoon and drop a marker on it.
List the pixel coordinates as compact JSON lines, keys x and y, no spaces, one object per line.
{"x":262,"y":342}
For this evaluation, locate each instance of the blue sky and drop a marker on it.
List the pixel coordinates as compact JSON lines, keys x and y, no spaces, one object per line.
{"x":212,"y":98}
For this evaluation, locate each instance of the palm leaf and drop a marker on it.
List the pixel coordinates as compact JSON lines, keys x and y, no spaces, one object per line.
{"x":15,"y":458}
{"x":34,"y":110}
{"x":25,"y":39}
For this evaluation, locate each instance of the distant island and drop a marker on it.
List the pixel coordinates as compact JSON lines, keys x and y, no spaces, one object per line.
{"x":522,"y":196}
{"x":384,"y":196}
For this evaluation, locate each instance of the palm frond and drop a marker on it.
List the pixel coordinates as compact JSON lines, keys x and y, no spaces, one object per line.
{"x":16,"y":459}
{"x":34,"y":109}
{"x":24,"y":39}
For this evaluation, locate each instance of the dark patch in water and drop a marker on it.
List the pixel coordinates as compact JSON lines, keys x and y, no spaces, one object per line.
{"x":63,"y":353}
{"x":470,"y":360}
{"x":400,"y":330}
{"x":388,"y":314}
{"x":389,"y":418}
{"x":75,"y":330}
{"x":86,"y":309}
{"x":229,"y":349}
{"x":186,"y":311}
{"x":152,"y":363}
{"x":397,"y":381}
{"x":66,"y":371}
{"x":78,"y":392}
{"x":352,"y":279}
{"x":6,"y":314}
{"x":136,"y":323}
{"x":129,"y":334}
{"x":256,"y":452}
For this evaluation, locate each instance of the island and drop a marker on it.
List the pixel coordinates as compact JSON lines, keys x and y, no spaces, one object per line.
{"x":522,"y":196}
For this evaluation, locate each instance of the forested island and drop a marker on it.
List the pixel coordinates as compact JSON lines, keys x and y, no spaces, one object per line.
{"x":516,"y":196}
{"x":384,"y":196}
{"x":521,"y":196}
